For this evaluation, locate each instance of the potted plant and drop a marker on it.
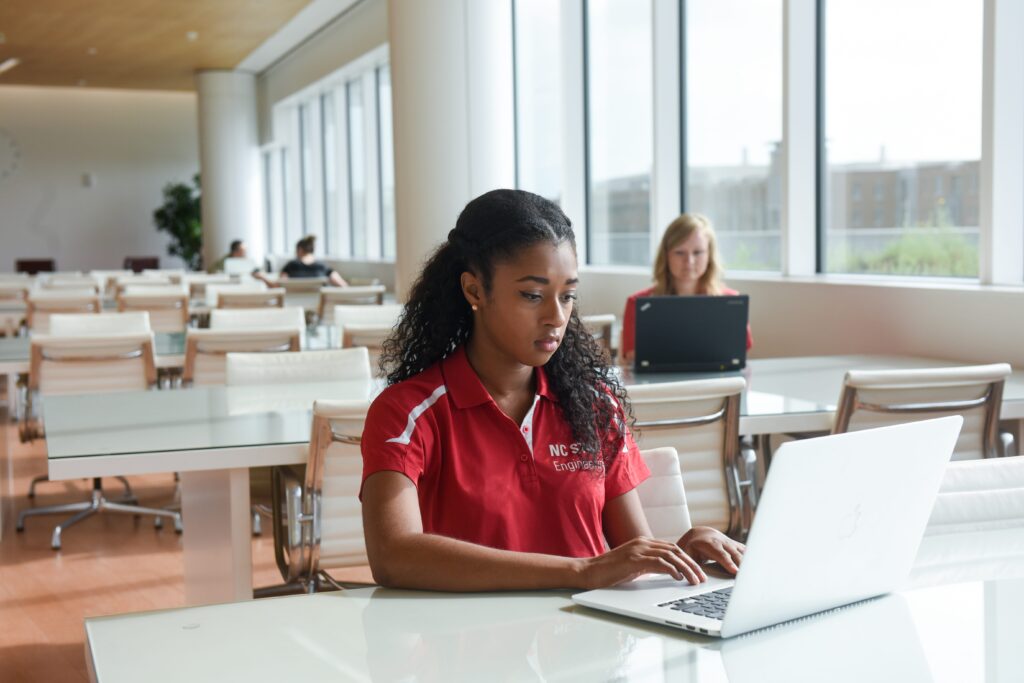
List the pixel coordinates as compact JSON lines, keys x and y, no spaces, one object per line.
{"x":180,"y":217}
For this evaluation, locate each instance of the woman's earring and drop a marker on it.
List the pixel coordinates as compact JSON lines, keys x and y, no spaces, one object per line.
{"x":475,"y":307}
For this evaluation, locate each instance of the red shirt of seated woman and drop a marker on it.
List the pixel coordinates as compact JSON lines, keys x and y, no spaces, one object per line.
{"x":686,"y":265}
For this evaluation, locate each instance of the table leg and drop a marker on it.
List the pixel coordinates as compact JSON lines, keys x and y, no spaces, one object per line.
{"x":217,"y":536}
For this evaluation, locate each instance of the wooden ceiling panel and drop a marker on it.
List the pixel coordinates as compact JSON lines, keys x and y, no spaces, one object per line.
{"x":132,"y":43}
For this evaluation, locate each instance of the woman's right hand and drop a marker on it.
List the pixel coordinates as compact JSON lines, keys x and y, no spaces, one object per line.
{"x":637,"y":557}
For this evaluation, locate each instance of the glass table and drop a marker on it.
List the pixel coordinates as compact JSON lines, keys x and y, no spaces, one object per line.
{"x":212,"y":436}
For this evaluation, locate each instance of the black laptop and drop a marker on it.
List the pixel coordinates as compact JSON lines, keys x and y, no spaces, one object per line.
{"x":691,"y":333}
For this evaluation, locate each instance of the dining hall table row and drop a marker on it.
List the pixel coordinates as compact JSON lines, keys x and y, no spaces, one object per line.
{"x":212,"y":435}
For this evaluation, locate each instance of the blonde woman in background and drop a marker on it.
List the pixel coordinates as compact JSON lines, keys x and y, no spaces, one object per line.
{"x":686,"y":265}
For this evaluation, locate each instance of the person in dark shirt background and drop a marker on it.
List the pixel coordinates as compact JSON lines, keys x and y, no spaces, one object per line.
{"x":305,"y":265}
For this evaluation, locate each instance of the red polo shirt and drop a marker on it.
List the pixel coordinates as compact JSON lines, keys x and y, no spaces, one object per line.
{"x":484,"y":479}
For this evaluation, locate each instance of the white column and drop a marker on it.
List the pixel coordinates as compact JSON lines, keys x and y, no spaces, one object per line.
{"x":1001,"y":200}
{"x":451,"y":74}
{"x":799,"y":129}
{"x":229,"y":163}
{"x":666,"y":204}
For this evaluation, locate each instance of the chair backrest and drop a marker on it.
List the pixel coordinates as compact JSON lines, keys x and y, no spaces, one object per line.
{"x":700,"y":419}
{"x":383,"y":315}
{"x":663,"y":496}
{"x":99,"y":324}
{"x":197,"y":282}
{"x":108,"y":279}
{"x":302,"y":285}
{"x":167,"y":306}
{"x":92,"y":364}
{"x":213,"y":289}
{"x":44,"y":303}
{"x":205,"y":350}
{"x":250,"y":318}
{"x":876,"y":398}
{"x":979,"y":494}
{"x":333,"y":476}
{"x":332,"y":365}
{"x":335,"y":296}
{"x":70,"y":283}
{"x":140,"y":280}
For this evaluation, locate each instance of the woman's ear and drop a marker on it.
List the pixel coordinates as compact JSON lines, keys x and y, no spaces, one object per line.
{"x":472,"y":289}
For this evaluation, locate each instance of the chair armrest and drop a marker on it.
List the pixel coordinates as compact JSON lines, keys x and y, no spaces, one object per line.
{"x":288,"y":521}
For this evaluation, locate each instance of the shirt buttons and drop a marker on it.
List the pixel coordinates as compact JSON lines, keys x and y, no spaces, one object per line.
{"x":524,"y":457}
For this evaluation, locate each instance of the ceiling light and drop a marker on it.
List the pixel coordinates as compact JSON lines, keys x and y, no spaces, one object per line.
{"x":82,"y":82}
{"x":3,"y":39}
{"x":192,"y":36}
{"x":91,"y":52}
{"x":9,"y":64}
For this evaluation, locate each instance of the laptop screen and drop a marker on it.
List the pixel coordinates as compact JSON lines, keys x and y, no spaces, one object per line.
{"x":691,"y":333}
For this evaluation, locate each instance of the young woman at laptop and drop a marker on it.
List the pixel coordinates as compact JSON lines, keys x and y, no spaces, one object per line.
{"x":687,"y":264}
{"x":499,"y":457}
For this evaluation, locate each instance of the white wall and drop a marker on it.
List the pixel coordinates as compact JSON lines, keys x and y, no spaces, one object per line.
{"x":816,"y":316}
{"x":132,"y":142}
{"x":360,"y":29}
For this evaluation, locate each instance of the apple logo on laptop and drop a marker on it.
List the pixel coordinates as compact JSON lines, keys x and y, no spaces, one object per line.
{"x":848,"y":524}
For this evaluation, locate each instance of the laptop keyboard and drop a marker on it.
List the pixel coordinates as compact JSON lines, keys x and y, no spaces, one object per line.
{"x":711,"y":605}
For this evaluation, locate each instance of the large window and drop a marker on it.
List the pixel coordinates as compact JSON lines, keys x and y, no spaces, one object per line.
{"x":336,"y":172}
{"x":620,"y":130}
{"x":308,"y":177}
{"x":387,"y":163}
{"x":356,"y":167}
{"x":540,"y":93}
{"x":902,"y":136}
{"x":329,"y":127}
{"x":733,"y":128}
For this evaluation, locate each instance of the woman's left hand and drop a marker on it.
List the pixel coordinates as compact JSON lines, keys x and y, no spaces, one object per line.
{"x":703,"y":543}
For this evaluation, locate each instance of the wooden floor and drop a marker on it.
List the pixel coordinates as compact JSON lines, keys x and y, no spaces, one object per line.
{"x":109,"y":564}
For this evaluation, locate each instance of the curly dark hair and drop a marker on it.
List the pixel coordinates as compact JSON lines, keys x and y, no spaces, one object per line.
{"x":437,"y":319}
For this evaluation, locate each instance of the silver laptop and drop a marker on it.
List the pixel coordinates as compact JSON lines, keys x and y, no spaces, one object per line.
{"x":839,"y":520}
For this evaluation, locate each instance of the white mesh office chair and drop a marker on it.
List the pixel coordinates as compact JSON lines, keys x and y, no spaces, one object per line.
{"x":140,"y":280}
{"x":205,"y":350}
{"x":663,"y":496}
{"x":197,"y":282}
{"x":351,"y":296}
{"x":167,"y":305}
{"x":301,"y":367}
{"x":700,"y":419}
{"x":41,"y":304}
{"x":272,"y":298}
{"x":367,"y":326}
{"x":254,"y":318}
{"x":69,"y":281}
{"x":877,"y":398}
{"x":302,"y":285}
{"x":92,"y":363}
{"x":318,"y":523}
{"x":213,"y":290}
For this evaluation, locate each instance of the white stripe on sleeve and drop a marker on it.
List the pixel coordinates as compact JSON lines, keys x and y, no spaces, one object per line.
{"x":415,"y":413}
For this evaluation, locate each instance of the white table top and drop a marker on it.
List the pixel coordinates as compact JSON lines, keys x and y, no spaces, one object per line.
{"x":969,"y":631}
